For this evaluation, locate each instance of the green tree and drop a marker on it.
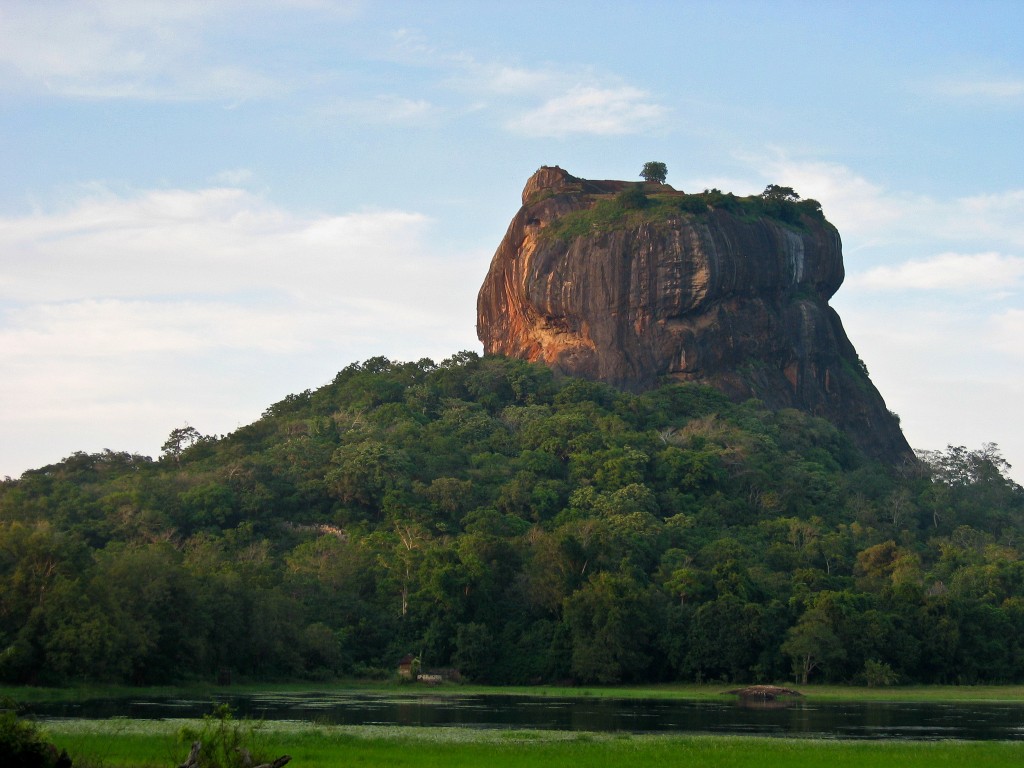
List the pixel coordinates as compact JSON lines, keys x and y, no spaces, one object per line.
{"x":474,"y":651}
{"x":654,"y":171}
{"x":362,"y":473}
{"x":775,"y":192}
{"x":878,"y":674}
{"x":612,"y":622}
{"x":812,"y":643}
{"x":178,"y":441}
{"x":725,"y":638}
{"x":782,"y":203}
{"x":400,"y":553}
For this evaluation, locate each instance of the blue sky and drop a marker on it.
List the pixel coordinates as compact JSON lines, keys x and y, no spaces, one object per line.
{"x":208,"y":205}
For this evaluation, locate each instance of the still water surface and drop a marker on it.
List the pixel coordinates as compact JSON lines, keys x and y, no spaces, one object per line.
{"x":848,"y":720}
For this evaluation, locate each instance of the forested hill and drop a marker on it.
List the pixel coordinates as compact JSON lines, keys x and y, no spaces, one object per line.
{"x":485,"y":516}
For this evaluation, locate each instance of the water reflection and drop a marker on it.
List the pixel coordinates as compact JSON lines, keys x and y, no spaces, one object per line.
{"x":747,"y":702}
{"x":799,"y":717}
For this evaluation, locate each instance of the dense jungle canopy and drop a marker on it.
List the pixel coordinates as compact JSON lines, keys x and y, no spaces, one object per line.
{"x":484,"y":515}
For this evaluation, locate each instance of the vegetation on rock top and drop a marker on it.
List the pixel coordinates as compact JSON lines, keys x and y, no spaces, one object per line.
{"x":633,"y":207}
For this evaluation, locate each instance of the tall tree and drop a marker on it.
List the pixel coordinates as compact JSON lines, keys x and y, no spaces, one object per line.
{"x":654,"y":171}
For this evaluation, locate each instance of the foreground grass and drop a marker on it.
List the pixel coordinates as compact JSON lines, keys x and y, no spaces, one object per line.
{"x":691,"y":692}
{"x":145,"y":744}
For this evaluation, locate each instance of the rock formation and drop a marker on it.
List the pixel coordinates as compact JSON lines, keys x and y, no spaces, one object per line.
{"x":691,"y":288}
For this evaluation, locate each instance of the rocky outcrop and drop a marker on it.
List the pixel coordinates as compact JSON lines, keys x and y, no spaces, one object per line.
{"x":682,"y":292}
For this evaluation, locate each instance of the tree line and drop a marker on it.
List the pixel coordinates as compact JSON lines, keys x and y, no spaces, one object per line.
{"x":483,"y":514}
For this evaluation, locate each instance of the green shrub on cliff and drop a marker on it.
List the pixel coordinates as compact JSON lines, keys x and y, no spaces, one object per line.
{"x":632,"y":208}
{"x":632,"y":197}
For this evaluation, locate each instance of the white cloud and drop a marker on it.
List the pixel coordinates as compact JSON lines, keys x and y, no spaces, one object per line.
{"x":114,"y":328}
{"x":540,"y":102}
{"x":1007,"y":333}
{"x":872,"y":216}
{"x":946,"y":272}
{"x":204,"y":305}
{"x":935,"y":356}
{"x":505,"y":79}
{"x":387,"y":108}
{"x":233,"y":177}
{"x":213,"y":241}
{"x":853,"y":203}
{"x":988,"y":90}
{"x":996,"y":216}
{"x":128,"y":49}
{"x":591,"y":109}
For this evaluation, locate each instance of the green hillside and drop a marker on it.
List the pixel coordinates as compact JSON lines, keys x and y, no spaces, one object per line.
{"x":484,"y":516}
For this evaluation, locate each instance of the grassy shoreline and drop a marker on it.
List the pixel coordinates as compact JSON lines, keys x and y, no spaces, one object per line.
{"x":140,"y":743}
{"x":687,"y":692}
{"x":144,"y":744}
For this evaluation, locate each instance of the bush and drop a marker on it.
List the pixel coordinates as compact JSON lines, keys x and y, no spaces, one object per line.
{"x":632,"y":197}
{"x":23,"y":746}
{"x":692,"y":204}
{"x":878,"y":674}
{"x":221,"y":741}
{"x":726,"y":201}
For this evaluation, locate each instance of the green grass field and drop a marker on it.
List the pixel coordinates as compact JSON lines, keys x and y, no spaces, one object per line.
{"x":141,"y":744}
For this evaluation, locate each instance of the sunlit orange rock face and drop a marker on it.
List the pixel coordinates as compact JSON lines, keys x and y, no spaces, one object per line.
{"x":735,"y":301}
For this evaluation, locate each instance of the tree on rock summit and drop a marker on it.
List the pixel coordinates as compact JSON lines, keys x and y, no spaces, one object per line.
{"x":654,"y":171}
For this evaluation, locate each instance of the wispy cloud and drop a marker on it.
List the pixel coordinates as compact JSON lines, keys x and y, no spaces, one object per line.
{"x":555,"y":103}
{"x":123,"y":307}
{"x":166,"y":50}
{"x":854,"y":203}
{"x":383,"y":109}
{"x":873,"y":215}
{"x":995,"y":216}
{"x":233,"y":177}
{"x":991,"y":90}
{"x":114,"y":328}
{"x":501,"y":78}
{"x":1008,"y":330}
{"x":132,"y":49}
{"x":546,"y":101}
{"x":957,"y":272}
{"x":591,"y":110}
{"x":178,"y":273}
{"x":180,"y":242}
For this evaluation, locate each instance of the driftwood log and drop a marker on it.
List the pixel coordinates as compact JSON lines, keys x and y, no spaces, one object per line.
{"x":766,"y":692}
{"x":197,"y":748}
{"x":193,"y":756}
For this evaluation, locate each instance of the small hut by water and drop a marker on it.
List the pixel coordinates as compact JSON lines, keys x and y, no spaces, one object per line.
{"x":408,"y":667}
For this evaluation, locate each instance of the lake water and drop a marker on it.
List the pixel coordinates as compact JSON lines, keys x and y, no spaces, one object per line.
{"x":800,"y":717}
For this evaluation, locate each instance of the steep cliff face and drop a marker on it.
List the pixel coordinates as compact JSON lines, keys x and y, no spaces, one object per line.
{"x":596,"y":285}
